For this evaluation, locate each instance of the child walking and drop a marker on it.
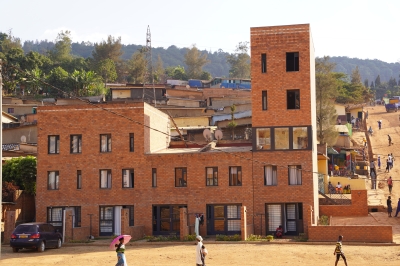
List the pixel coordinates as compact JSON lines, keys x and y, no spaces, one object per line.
{"x":339,"y":252}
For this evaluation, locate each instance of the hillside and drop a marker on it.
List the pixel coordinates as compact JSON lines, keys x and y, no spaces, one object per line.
{"x":218,"y":66}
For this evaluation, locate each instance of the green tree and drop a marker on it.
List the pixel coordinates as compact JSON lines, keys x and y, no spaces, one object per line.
{"x":21,"y":171}
{"x":177,"y":72}
{"x":84,"y":82}
{"x":11,"y":75}
{"x":326,"y":92}
{"x":110,"y":49}
{"x":240,"y":62}
{"x":106,"y":69}
{"x":137,"y":66}
{"x":356,"y":76}
{"x":159,"y":71}
{"x":8,"y":42}
{"x":205,"y":75}
{"x":60,"y":79}
{"x":232,"y":125}
{"x":378,"y":81}
{"x":195,"y":62}
{"x":62,"y":48}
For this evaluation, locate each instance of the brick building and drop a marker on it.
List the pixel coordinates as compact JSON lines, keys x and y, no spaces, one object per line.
{"x":96,"y":160}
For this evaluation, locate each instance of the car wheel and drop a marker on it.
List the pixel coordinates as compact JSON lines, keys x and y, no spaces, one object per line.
{"x":59,"y":243}
{"x":15,"y":249}
{"x":41,"y":247}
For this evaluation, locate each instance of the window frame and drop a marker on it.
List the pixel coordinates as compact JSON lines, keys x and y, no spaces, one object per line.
{"x":131,"y":178}
{"x":293,"y":104}
{"x":274,"y":181}
{"x":292,"y":61}
{"x":10,"y":110}
{"x":108,"y":143}
{"x":154,"y":177}
{"x":79,"y":144}
{"x":78,"y":216}
{"x":299,"y":175}
{"x":264,"y":100}
{"x":214,"y":179}
{"x":181,"y":181}
{"x":263,"y":63}
{"x":56,"y":180}
{"x":108,"y":181}
{"x":238,"y":181}
{"x":56,"y":144}
{"x":78,"y":179}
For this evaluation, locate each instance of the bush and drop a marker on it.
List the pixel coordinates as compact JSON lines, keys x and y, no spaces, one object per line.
{"x":323,"y":220}
{"x":228,"y":238}
{"x":161,"y":238}
{"x":190,"y":237}
{"x":301,"y":238}
{"x":259,"y":238}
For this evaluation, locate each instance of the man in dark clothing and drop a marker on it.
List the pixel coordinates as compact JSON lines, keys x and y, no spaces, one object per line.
{"x":372,"y":168}
{"x":398,"y":208}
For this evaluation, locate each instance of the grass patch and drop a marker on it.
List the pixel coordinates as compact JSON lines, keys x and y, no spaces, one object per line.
{"x":301,"y":238}
{"x":161,"y":238}
{"x":260,"y":238}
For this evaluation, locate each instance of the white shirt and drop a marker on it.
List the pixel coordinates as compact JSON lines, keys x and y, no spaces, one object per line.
{"x":198,"y":250}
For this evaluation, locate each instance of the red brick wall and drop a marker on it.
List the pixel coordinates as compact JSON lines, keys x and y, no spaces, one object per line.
{"x":351,"y":233}
{"x":183,"y":226}
{"x":358,"y":207}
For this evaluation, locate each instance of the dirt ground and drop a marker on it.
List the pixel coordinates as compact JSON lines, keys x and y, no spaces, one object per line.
{"x":219,"y":254}
{"x":246,"y":253}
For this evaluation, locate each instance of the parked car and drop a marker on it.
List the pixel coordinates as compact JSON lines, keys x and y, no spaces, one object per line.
{"x":35,"y":236}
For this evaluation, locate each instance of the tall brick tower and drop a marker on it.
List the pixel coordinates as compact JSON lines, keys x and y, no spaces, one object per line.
{"x":284,"y":127}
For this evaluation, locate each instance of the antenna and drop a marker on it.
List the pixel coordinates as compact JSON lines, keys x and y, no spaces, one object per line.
{"x":218,"y":134}
{"x":207,"y":134}
{"x":148,"y":77}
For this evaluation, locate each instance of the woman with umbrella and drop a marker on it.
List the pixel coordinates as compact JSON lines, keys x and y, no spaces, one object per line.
{"x":119,"y":244}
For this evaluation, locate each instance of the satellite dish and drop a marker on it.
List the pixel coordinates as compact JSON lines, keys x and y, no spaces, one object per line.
{"x":207,"y":134}
{"x":23,"y":139}
{"x":218,"y":134}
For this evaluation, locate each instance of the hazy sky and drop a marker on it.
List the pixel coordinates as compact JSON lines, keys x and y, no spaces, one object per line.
{"x":364,"y":29}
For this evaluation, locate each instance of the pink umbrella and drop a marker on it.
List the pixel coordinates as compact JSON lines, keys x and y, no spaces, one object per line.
{"x":116,"y":240}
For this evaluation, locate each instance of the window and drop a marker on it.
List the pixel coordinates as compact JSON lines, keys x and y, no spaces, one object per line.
{"x":52,"y":181}
{"x":264,"y":100}
{"x":130,"y":214}
{"x":131,"y":142}
{"x":180,"y":177}
{"x":54,"y":144}
{"x":263,"y":141}
{"x":212,"y":176}
{"x":127,"y":178}
{"x":10,"y":110}
{"x":294,"y":175}
{"x":235,"y":176}
{"x":292,"y":62}
{"x":77,"y":216}
{"x":293,"y":99}
{"x":55,"y":216}
{"x":76,"y":143}
{"x":105,"y":178}
{"x":105,"y":143}
{"x":154,"y":177}
{"x":263,"y":63}
{"x":78,"y":179}
{"x":270,"y":175}
{"x":300,"y":138}
{"x":281,"y":138}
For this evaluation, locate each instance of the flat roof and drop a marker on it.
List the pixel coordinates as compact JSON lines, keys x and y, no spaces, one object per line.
{"x":197,"y":150}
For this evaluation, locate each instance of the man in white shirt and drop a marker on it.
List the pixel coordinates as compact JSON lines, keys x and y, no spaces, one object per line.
{"x":199,"y":261}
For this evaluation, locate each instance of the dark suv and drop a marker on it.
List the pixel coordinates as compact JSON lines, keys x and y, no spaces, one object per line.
{"x":35,"y":236}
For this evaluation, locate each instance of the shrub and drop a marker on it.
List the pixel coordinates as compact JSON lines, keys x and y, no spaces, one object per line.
{"x":161,"y":238}
{"x":190,"y":237}
{"x":270,"y":237}
{"x":323,"y":220}
{"x":259,"y":238}
{"x":228,"y":238}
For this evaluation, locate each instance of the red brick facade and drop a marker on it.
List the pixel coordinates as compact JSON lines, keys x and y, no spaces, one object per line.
{"x":358,"y":207}
{"x":288,"y":202}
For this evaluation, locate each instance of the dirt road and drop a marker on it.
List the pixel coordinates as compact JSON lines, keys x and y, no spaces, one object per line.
{"x":220,"y":254}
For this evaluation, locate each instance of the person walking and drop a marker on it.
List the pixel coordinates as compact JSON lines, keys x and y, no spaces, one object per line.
{"x":387,"y":166}
{"x":390,"y":184}
{"x":199,"y":252}
{"x":372,"y":168}
{"x":379,"y":161}
{"x":120,"y":249}
{"x":398,"y":208}
{"x":390,"y":159}
{"x":390,"y":140}
{"x":380,"y":124}
{"x":339,"y":251}
{"x":389,"y":206}
{"x":391,"y":155}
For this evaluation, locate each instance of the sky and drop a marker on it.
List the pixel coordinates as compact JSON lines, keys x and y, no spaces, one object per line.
{"x":364,"y":29}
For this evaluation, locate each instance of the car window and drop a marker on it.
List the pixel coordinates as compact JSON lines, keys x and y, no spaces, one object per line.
{"x":21,"y":229}
{"x":51,"y":228}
